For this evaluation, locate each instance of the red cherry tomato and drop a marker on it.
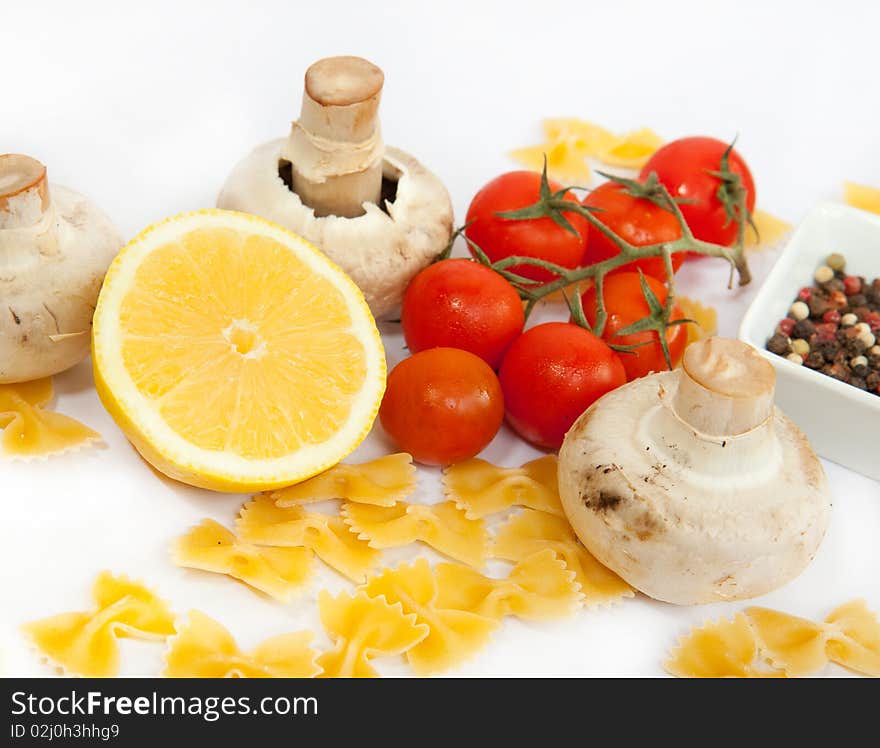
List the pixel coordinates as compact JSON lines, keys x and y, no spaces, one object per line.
{"x":553,"y":373}
{"x":462,"y":304}
{"x":635,"y":219}
{"x":685,"y":167}
{"x":625,"y":303}
{"x":442,"y":405}
{"x":534,"y":237}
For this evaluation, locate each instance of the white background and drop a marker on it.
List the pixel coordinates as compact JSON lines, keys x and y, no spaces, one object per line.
{"x":145,"y":108}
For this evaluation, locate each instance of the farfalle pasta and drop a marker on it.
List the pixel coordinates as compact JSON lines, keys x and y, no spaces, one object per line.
{"x":795,"y":645}
{"x":849,"y":636}
{"x":565,"y":159}
{"x":854,"y":638}
{"x":454,"y":635}
{"x":381,"y":482}
{"x":263,"y":523}
{"x":203,"y":648}
{"x":763,"y":642}
{"x":31,"y":431}
{"x":481,"y":488}
{"x":442,"y":526}
{"x":363,"y":628}
{"x":705,"y":318}
{"x":632,"y":150}
{"x":278,"y":572}
{"x":767,"y":230}
{"x":724,"y":649}
{"x":532,"y":531}
{"x":85,"y":643}
{"x":539,"y":587}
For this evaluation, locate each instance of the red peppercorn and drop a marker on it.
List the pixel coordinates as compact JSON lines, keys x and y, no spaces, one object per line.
{"x":826,"y":332}
{"x":785,"y":326}
{"x":852,"y":285}
{"x":873,"y":320}
{"x":837,"y":300}
{"x":832,"y":316}
{"x":805,"y":293}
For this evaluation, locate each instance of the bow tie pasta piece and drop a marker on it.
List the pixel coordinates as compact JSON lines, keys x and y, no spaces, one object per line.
{"x":85,"y":643}
{"x":705,"y":319}
{"x":261,"y":522}
{"x":481,"y":488}
{"x":381,"y":482}
{"x":566,"y":162}
{"x":568,"y":143}
{"x":539,"y":587}
{"x":793,"y":644}
{"x":862,"y":196}
{"x":278,"y":572}
{"x":29,"y":430}
{"x":726,"y":649}
{"x":454,"y":636}
{"x":202,"y":648}
{"x":854,"y":638}
{"x":363,"y":628}
{"x":849,"y":636}
{"x":767,"y":231}
{"x":589,"y":138}
{"x":442,"y":526}
{"x":632,"y":150}
{"x":534,"y":531}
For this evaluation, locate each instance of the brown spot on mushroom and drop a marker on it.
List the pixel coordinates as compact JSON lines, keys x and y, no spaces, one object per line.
{"x":15,"y":317}
{"x":602,"y":502}
{"x":646,"y":526}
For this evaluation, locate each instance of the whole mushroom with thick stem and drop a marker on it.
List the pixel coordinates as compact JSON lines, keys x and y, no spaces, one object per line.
{"x":55,"y":247}
{"x":374,"y":210}
{"x":691,"y":485}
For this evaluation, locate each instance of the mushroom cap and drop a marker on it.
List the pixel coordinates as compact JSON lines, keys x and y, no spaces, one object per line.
{"x":685,"y":517}
{"x":380,"y":250}
{"x":49,"y":293}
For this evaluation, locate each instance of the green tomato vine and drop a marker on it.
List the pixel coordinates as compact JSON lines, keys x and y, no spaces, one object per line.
{"x":554,"y":206}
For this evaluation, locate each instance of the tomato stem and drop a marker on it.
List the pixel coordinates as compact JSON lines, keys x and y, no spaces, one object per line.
{"x":553,"y":205}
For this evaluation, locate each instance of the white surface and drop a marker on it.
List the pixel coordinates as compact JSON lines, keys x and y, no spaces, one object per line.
{"x":145,"y":109}
{"x":845,"y":429}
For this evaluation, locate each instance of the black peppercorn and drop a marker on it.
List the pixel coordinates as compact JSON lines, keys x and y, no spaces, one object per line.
{"x":803,"y":329}
{"x":814,"y":360}
{"x":779,"y":344}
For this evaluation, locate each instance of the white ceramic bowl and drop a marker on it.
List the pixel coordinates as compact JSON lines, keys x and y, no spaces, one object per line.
{"x":841,"y":421}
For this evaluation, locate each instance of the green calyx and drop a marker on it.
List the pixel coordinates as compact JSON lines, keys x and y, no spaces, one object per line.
{"x":553,"y":205}
{"x":732,"y":194}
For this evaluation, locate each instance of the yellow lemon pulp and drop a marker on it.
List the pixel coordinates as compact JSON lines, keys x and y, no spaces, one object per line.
{"x":233,"y":354}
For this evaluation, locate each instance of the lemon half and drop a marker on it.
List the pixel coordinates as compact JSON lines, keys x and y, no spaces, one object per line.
{"x":233,"y":354}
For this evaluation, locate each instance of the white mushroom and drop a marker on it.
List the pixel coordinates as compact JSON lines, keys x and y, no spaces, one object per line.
{"x":691,"y":485}
{"x":55,"y":247}
{"x":374,"y":210}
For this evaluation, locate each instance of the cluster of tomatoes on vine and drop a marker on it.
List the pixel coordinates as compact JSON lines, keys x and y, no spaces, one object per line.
{"x":473,"y":363}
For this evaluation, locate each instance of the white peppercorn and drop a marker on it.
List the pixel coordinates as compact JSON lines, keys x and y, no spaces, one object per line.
{"x":800,"y":346}
{"x":836,"y":261}
{"x":823,"y":274}
{"x":799,"y":310}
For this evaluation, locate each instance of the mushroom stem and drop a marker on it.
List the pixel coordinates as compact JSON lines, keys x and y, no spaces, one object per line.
{"x":24,"y":191}
{"x":335,"y":148}
{"x":726,"y":388}
{"x":27,"y":228}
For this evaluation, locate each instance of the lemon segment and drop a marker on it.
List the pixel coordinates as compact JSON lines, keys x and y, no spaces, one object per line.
{"x":233,"y":354}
